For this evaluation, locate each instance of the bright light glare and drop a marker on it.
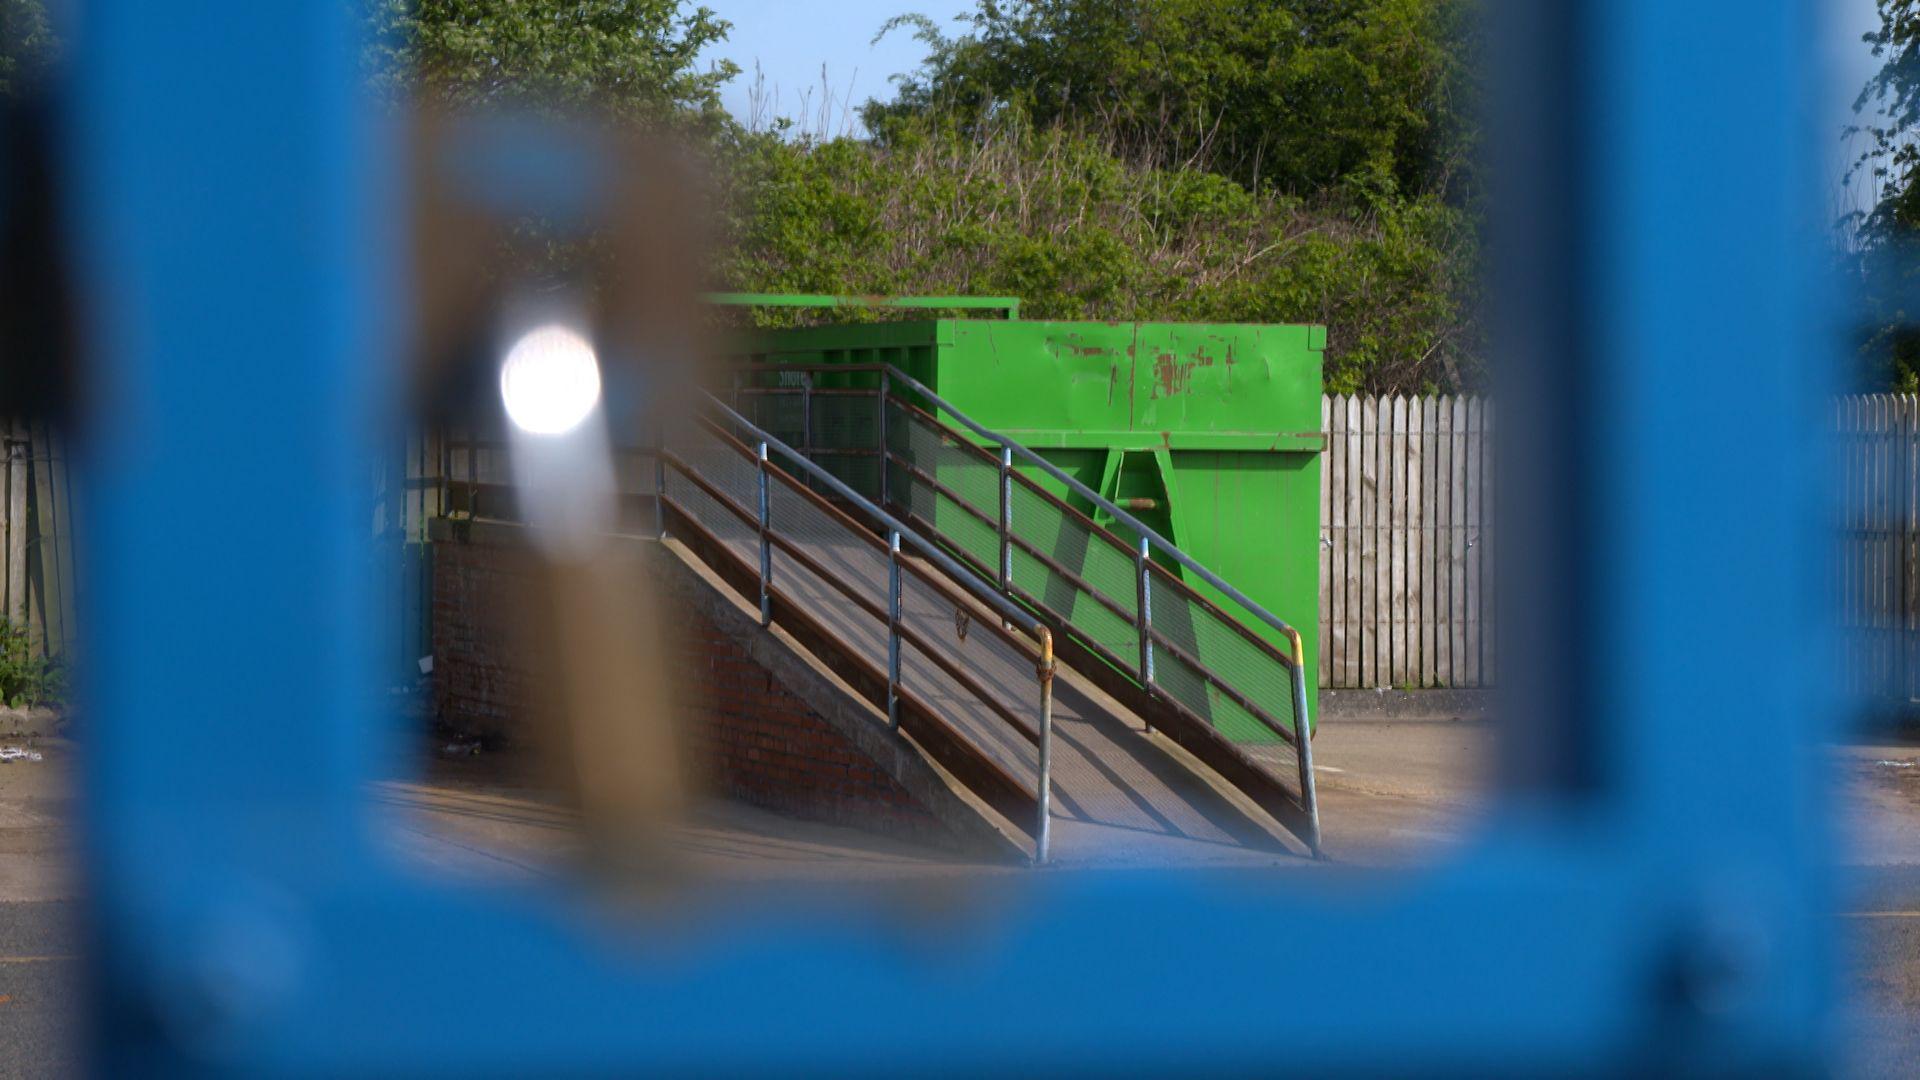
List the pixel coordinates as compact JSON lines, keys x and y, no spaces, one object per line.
{"x":550,"y":380}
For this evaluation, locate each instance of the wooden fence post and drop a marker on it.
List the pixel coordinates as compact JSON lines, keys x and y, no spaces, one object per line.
{"x":15,"y":452}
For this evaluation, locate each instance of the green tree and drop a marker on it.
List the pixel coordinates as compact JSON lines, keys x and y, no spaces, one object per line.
{"x":1303,"y":94}
{"x":638,"y":59}
{"x":1213,"y":160}
{"x":1883,"y":238}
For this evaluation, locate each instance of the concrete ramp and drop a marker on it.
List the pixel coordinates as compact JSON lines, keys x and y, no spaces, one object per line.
{"x":1121,"y":794}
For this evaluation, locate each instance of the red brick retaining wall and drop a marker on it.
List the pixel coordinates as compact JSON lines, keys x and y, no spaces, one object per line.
{"x":754,"y":740}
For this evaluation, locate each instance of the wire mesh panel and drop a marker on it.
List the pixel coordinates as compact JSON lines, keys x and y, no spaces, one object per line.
{"x":1076,"y":572}
{"x":1085,"y":578}
{"x":1205,"y":660}
{"x":1005,"y":689}
{"x":835,"y":427}
{"x":843,"y":437}
{"x":775,"y":410}
{"x":947,"y":485}
{"x":1018,"y":537}
{"x":1071,"y":569}
{"x":733,"y":475}
{"x":850,"y":555}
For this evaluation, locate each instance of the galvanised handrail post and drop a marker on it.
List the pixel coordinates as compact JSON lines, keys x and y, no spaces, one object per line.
{"x":766,"y":548}
{"x":473,"y":474}
{"x":1303,"y":744}
{"x":1144,"y":608}
{"x":1043,"y":827}
{"x":886,"y":390}
{"x":446,"y":470}
{"x":806,"y":416}
{"x":1006,"y":517}
{"x":1144,"y":588}
{"x":893,"y":628}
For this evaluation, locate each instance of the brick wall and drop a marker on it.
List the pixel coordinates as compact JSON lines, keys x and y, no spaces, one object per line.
{"x":753,"y":739}
{"x":478,"y":689}
{"x":763,"y":745}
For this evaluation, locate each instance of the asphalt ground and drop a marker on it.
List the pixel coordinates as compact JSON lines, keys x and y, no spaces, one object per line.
{"x":39,"y":989}
{"x":1397,"y":791}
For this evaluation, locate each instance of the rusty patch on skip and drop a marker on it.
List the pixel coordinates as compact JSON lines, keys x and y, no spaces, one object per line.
{"x":1170,"y":376}
{"x":1173,"y":376}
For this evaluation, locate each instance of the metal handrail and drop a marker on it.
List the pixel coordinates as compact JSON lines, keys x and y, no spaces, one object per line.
{"x":1008,"y":603}
{"x":1008,"y":304}
{"x":932,"y":552}
{"x":1141,"y":558}
{"x":1149,"y":639}
{"x":1073,"y":484}
{"x":797,"y":551}
{"x":897,"y":532}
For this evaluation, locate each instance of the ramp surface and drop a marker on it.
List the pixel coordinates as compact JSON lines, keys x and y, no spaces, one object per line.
{"x":1122,"y":796}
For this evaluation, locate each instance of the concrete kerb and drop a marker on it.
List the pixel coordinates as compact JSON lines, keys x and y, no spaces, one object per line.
{"x":32,"y":721}
{"x":1434,"y":704}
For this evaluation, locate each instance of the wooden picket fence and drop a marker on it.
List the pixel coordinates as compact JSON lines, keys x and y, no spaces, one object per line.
{"x":1406,"y":511}
{"x":1406,"y":557}
{"x":407,"y":494}
{"x":37,"y":578}
{"x":1877,"y":579}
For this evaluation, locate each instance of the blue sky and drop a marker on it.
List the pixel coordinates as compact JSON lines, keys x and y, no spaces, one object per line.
{"x":792,"y":39}
{"x":1849,"y":64}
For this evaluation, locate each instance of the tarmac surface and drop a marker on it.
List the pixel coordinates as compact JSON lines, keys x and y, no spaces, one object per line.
{"x":38,"y":941}
{"x":1394,"y":792}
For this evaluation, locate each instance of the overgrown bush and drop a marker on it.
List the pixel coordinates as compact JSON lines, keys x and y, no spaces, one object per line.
{"x":1061,"y":218}
{"x":26,"y":678}
{"x":1205,"y":160}
{"x":1211,"y":160}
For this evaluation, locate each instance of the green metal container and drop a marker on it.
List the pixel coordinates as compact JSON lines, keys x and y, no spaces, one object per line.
{"x":1207,"y":433}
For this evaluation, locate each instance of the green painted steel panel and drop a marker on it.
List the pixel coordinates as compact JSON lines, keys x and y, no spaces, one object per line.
{"x":1137,"y":384}
{"x":1254,"y":519}
{"x":1219,"y":425}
